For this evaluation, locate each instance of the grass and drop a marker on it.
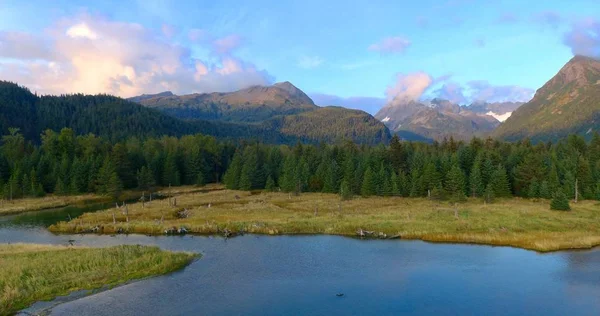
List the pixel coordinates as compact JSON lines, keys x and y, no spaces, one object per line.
{"x":55,"y":201}
{"x":513,"y":222}
{"x":32,"y":272}
{"x":36,"y":204}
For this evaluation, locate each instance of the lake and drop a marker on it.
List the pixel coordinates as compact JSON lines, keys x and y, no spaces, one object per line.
{"x":275,"y":275}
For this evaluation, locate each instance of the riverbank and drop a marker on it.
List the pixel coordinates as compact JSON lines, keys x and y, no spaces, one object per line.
{"x":514,"y":222}
{"x":33,"y":272}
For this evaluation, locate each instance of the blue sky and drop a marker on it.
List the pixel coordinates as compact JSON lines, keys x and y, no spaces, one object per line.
{"x":354,"y":53}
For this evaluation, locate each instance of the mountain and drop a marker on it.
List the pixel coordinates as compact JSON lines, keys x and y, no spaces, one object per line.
{"x":332,"y":123}
{"x":568,"y":103}
{"x":436,"y":119}
{"x":281,"y":107}
{"x":253,"y":104}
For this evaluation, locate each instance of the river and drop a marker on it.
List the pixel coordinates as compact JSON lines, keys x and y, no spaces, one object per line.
{"x":292,"y":275}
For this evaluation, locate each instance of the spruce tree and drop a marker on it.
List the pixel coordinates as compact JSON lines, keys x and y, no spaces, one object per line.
{"x":545,"y":192}
{"x":270,"y":185}
{"x":455,"y":184}
{"x":60,"y":187}
{"x":232,"y":176}
{"x":345,"y":191}
{"x":534,"y":189}
{"x":476,"y":181}
{"x":114,"y":187}
{"x":500,"y":183}
{"x":368,"y":187}
{"x":560,"y":202}
{"x":145,"y":179}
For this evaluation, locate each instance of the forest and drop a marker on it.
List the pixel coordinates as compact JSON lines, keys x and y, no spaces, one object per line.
{"x":64,"y":163}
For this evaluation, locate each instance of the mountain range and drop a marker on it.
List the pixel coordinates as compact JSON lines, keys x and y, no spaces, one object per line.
{"x":438,"y":118}
{"x":275,"y":114}
{"x":281,"y":113}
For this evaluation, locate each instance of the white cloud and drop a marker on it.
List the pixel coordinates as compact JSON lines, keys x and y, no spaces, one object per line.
{"x":309,"y":62}
{"x":91,"y":54}
{"x":81,"y":30}
{"x":390,"y":45}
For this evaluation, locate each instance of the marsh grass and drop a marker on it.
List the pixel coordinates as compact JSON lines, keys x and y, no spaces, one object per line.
{"x":30,"y":273}
{"x":48,"y":202}
{"x":513,"y":222}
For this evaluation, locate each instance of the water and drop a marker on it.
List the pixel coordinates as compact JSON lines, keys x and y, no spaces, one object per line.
{"x":264,"y":275}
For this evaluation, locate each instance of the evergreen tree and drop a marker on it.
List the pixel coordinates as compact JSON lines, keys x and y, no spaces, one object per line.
{"x":500,"y":183}
{"x":232,"y":176}
{"x":345,"y":191}
{"x":60,"y":187}
{"x":200,"y":179}
{"x":145,"y":179}
{"x":455,"y":184}
{"x":560,"y":202}
{"x":545,"y":191}
{"x":369,"y":185}
{"x":396,"y":191}
{"x":270,"y":185}
{"x":171,"y":174}
{"x":534,"y":189}
{"x":114,"y":187}
{"x":476,"y":181}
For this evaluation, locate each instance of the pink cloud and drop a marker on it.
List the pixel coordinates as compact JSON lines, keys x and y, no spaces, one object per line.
{"x":390,"y":45}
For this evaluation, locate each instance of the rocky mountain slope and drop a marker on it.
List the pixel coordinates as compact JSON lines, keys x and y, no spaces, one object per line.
{"x":437,"y":119}
{"x":568,"y":103}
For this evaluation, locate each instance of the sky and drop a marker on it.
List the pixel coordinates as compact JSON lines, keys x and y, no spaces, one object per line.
{"x":358,"y":54}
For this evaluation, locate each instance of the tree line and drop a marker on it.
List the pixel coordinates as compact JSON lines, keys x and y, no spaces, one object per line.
{"x":64,"y":163}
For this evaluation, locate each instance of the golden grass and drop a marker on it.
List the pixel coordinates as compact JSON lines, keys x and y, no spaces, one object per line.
{"x":30,"y":273}
{"x":36,"y":204}
{"x":512,"y":222}
{"x":54,"y":201}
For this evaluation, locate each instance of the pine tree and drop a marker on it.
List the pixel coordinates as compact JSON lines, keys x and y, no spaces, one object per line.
{"x":345,"y":191}
{"x":396,"y":191}
{"x":145,"y":179}
{"x":270,"y":185}
{"x":500,"y":183}
{"x":455,"y":184}
{"x":560,"y":202}
{"x":287,"y":181}
{"x":534,"y":189}
{"x":368,"y":187}
{"x":545,"y":192}
{"x":104,"y":175}
{"x":171,"y":174}
{"x":476,"y":181}
{"x":114,"y":186}
{"x":232,"y":176}
{"x":60,"y":187}
{"x":200,"y":179}
{"x":431,"y":177}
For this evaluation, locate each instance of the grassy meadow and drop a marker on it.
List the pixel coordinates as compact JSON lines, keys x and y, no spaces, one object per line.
{"x":30,"y":272}
{"x":512,"y":222}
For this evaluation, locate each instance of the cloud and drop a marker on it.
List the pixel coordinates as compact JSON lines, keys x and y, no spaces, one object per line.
{"x":309,"y":62}
{"x":481,"y":90}
{"x":227,"y":44}
{"x":507,"y":18}
{"x":584,"y":38}
{"x":368,"y":104}
{"x":197,"y":35}
{"x":548,"y":18}
{"x":168,"y":30}
{"x":93,"y":54}
{"x":478,"y":90}
{"x":408,"y":87}
{"x":390,"y":45}
{"x":451,"y":91}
